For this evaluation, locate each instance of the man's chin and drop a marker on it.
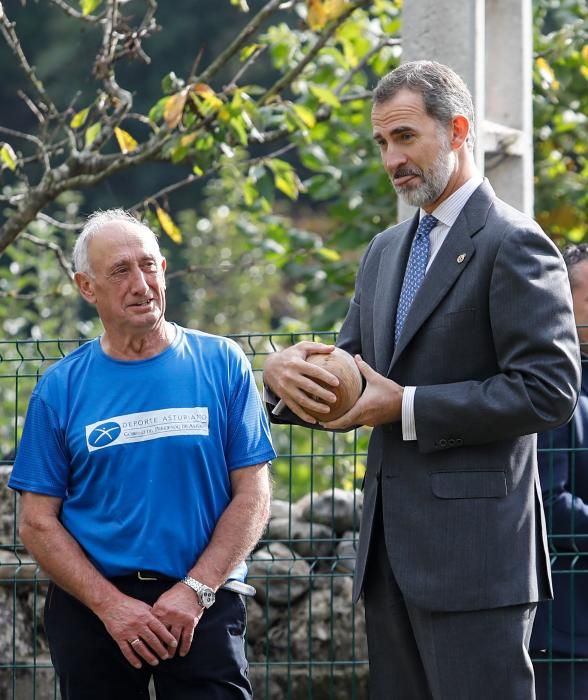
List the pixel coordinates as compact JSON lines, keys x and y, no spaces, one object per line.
{"x":411,"y":196}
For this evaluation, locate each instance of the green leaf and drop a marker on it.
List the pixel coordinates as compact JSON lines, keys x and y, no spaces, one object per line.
{"x":236,"y":125}
{"x":325,"y":96}
{"x":178,"y":153}
{"x":92,"y":134}
{"x":79,"y":118}
{"x":285,"y":177}
{"x":8,"y":156}
{"x":306,"y":116}
{"x":314,"y":157}
{"x":205,"y":142}
{"x":250,"y":193}
{"x":88,"y":6}
{"x":248,"y":51}
{"x":171,"y":83}
{"x":329,"y":254}
{"x":156,"y":112}
{"x":288,"y":183}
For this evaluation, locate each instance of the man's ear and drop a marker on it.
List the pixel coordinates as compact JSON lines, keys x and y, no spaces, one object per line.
{"x":86,"y":287}
{"x":163,"y":268}
{"x":460,"y":131}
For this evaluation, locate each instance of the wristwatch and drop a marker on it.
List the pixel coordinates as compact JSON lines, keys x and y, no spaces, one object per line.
{"x":204,"y":594}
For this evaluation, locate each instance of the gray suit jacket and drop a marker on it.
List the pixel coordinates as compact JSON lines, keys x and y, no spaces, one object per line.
{"x":491,"y":345}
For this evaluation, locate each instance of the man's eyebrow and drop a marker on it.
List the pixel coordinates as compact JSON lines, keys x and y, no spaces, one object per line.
{"x":118,"y":263}
{"x":396,"y":131}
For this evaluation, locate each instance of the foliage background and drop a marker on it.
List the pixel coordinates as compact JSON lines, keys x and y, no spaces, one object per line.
{"x":255,"y":257}
{"x":271,"y":228}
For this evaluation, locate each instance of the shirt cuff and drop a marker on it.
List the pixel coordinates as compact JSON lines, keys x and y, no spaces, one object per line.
{"x":269,"y":397}
{"x":408,"y":424}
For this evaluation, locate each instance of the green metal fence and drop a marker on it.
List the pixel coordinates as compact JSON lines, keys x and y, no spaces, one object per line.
{"x":305,"y":638}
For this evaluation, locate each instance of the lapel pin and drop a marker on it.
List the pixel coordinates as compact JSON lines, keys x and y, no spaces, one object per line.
{"x":461,"y":258}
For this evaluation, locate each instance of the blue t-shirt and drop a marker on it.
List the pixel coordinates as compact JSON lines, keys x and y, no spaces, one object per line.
{"x":141,"y":451}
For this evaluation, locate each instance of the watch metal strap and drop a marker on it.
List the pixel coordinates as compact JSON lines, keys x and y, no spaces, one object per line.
{"x":198,"y":588}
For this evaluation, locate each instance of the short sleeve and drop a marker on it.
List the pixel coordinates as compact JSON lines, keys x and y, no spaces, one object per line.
{"x":41,"y":464}
{"x":249,"y":439}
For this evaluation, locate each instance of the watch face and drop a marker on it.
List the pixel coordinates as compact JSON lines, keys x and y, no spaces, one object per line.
{"x":207,"y":597}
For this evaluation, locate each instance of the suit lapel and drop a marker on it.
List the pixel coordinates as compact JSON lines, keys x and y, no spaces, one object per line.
{"x":390,"y":276}
{"x":452,"y":259}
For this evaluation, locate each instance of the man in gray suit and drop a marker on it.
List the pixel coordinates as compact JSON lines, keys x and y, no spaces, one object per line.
{"x":463,"y":331}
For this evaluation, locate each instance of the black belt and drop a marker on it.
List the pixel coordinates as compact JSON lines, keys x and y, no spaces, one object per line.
{"x":144,"y":575}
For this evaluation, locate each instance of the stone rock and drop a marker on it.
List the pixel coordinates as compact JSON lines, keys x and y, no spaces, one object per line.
{"x":336,"y":508}
{"x":19,"y":566}
{"x":323,"y":626}
{"x":259,"y":620}
{"x":346,"y":552}
{"x":8,"y":505}
{"x":14,"y":619}
{"x":306,"y":538}
{"x":305,"y":638}
{"x":34,"y":679}
{"x":280,"y":509}
{"x":307,"y":681}
{"x":278,"y":574}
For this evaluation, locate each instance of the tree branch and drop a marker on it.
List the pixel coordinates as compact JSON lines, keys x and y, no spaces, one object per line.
{"x":60,"y":224}
{"x":31,"y":105}
{"x":192,"y":177}
{"x":59,"y":254}
{"x":43,"y":153}
{"x":13,"y":42}
{"x":75,"y":14}
{"x":80,"y":170}
{"x":239,"y":41}
{"x":287,"y":79}
{"x":249,"y":62}
{"x":385,"y":41}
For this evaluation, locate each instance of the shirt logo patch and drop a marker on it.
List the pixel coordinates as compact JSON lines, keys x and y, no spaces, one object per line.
{"x":148,"y":425}
{"x":104,"y":434}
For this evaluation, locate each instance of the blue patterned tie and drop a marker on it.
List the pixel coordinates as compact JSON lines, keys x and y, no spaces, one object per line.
{"x":415,"y":270}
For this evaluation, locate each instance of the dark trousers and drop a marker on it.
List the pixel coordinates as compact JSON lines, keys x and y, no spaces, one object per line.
{"x":417,"y":654}
{"x":559,"y":678}
{"x":90,"y":665}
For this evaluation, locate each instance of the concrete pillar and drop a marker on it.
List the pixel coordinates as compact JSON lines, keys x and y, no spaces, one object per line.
{"x":509,"y":105}
{"x":489,"y":44}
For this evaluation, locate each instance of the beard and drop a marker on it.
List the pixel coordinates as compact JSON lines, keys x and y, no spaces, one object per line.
{"x":434,"y":179}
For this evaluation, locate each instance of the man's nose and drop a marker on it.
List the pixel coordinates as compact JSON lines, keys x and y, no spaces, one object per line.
{"x":139,"y":282}
{"x":393,"y":158}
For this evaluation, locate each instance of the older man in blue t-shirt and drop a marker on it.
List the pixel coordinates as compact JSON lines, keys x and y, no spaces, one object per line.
{"x":143,"y":469}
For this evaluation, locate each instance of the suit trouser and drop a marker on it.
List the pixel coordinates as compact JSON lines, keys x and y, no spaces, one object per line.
{"x":417,"y":654}
{"x":91,"y":666}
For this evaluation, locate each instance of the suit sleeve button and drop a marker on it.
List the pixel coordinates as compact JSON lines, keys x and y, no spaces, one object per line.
{"x":443,"y":442}
{"x":458,"y":441}
{"x":451,"y":442}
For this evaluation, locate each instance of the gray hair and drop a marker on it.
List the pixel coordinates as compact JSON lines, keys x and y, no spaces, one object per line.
{"x":445,"y":95}
{"x":94,"y":224}
{"x":574,"y":254}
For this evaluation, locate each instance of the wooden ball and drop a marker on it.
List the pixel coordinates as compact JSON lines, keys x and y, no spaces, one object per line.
{"x":342,"y":365}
